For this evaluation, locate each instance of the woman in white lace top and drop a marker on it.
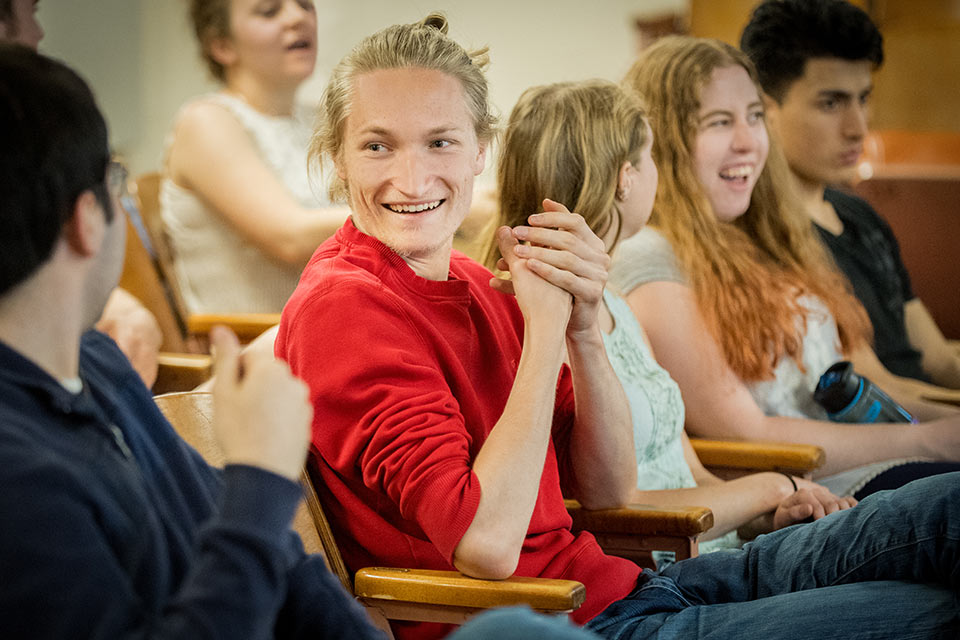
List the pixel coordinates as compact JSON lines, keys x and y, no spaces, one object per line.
{"x":732,"y":286}
{"x":587,"y":145}
{"x":236,"y":201}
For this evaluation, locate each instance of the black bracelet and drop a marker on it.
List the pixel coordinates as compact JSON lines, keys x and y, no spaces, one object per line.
{"x":792,"y":481}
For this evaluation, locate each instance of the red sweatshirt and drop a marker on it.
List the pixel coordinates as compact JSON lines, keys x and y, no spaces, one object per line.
{"x":407,"y":377}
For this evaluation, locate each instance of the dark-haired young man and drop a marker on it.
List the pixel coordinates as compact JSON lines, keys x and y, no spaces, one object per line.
{"x":815,"y":59}
{"x":124,"y":318}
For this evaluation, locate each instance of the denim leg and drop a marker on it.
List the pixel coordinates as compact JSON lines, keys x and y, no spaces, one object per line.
{"x":519,"y":623}
{"x":853,"y":574}
{"x":867,"y":611}
{"x":912,"y":534}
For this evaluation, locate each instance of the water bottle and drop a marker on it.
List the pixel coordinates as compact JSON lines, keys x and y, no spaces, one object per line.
{"x":849,"y":397}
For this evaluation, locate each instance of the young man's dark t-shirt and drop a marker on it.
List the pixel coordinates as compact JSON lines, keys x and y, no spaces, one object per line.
{"x":868,"y":253}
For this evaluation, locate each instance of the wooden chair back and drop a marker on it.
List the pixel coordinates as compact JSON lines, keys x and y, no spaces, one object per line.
{"x":191,"y":414}
{"x":142,"y":275}
{"x":148,"y":195}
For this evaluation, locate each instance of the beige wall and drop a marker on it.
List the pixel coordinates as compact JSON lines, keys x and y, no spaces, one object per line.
{"x":140,"y":57}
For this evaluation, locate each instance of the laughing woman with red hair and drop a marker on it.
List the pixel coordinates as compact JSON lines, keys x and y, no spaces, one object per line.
{"x":737,"y":296}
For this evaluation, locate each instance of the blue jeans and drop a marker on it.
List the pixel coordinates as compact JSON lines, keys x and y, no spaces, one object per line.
{"x":889,"y":568}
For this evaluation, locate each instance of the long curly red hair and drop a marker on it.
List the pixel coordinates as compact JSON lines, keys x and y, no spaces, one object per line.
{"x":748,"y":276}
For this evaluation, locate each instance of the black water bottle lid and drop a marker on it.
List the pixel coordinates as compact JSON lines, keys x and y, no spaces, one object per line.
{"x":837,"y":388}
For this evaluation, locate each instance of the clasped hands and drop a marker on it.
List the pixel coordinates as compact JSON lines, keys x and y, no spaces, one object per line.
{"x":810,"y":501}
{"x":557,"y":266}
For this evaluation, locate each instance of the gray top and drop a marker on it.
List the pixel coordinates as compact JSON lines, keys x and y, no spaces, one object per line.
{"x":644,"y":257}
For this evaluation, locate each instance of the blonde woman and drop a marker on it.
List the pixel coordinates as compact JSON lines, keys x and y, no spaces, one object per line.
{"x":588,"y":145}
{"x":736,"y":294}
{"x":237,"y":202}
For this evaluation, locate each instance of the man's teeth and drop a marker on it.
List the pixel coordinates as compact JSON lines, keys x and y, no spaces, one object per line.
{"x":414,"y":208}
{"x":742,"y":171}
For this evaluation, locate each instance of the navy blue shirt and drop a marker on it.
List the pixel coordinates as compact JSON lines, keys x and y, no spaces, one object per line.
{"x":111,"y":526}
{"x":868,"y":254}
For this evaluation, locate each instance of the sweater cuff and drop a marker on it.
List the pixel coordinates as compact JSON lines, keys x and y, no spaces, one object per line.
{"x":261,"y":501}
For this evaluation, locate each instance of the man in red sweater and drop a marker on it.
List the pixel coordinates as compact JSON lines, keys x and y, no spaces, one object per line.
{"x":444,"y":414}
{"x":446,"y":424}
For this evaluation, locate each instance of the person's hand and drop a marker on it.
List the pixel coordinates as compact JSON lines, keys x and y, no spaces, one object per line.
{"x":535,"y":295}
{"x":263,"y":343}
{"x":566,"y":253}
{"x":261,"y":411}
{"x":135,"y":331}
{"x":809,"y":502}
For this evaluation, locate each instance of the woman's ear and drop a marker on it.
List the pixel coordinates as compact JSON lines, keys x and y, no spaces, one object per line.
{"x":222,"y":51}
{"x":624,"y":181}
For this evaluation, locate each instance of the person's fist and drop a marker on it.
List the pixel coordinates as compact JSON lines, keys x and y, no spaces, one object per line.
{"x":262,"y":412}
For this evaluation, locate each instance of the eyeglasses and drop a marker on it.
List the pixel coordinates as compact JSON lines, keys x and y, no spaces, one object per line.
{"x":119,"y":188}
{"x":117,"y":175}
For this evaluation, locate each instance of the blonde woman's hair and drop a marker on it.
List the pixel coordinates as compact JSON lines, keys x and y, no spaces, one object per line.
{"x":567,"y":142}
{"x":747,"y":275}
{"x":422,"y":45}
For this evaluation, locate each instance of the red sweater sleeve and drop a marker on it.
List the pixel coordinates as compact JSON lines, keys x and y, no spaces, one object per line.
{"x":383,"y":410}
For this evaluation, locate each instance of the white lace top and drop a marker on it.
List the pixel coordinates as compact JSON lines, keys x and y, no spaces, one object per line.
{"x":656,"y":407}
{"x":219,"y":270}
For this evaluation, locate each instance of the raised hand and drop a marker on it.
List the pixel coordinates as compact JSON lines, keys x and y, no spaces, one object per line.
{"x":534,"y":293}
{"x":566,"y":253}
{"x":261,"y":411}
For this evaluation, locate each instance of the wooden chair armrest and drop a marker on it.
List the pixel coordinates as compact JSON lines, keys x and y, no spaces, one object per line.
{"x":645,"y":520}
{"x":799,"y":459}
{"x":247,"y":326}
{"x":181,"y":371}
{"x":453,"y":589}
